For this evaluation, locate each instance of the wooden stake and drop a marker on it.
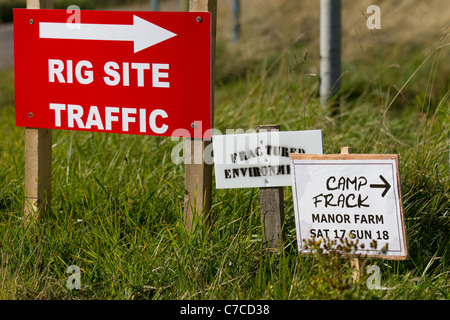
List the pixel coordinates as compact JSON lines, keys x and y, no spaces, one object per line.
{"x":38,"y":157}
{"x":198,"y":174}
{"x":38,"y":171}
{"x":39,"y":4}
{"x":272,"y":208}
{"x":346,"y":150}
{"x":354,"y":262}
{"x":198,"y":182}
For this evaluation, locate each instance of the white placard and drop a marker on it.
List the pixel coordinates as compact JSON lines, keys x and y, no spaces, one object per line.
{"x":357,"y":197}
{"x":261,"y":159}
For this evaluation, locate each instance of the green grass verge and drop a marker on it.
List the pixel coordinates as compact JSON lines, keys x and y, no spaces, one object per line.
{"x":117,"y":204}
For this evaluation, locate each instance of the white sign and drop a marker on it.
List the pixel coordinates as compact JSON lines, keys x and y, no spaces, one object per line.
{"x":261,"y":159}
{"x":357,"y":197}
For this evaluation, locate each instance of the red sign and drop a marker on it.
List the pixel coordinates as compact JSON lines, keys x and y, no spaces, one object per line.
{"x":146,"y":73}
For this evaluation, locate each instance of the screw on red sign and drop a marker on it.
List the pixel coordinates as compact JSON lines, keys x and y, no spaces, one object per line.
{"x":145,"y":73}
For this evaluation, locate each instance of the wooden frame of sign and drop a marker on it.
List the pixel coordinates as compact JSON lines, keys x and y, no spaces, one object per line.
{"x":350,"y":195}
{"x":38,"y":150}
{"x":198,"y":176}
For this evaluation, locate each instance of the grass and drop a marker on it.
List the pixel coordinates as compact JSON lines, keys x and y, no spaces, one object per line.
{"x":117,"y":203}
{"x":6,"y":5}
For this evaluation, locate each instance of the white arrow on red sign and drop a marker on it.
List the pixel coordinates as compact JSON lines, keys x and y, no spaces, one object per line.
{"x":143,"y":33}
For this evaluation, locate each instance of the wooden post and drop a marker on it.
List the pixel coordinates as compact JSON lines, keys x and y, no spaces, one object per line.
{"x":272,"y":208}
{"x":354,"y":262}
{"x":198,"y":174}
{"x":346,"y":150}
{"x":38,"y":157}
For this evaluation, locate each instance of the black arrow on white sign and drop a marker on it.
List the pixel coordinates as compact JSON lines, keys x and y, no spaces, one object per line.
{"x":386,"y":186}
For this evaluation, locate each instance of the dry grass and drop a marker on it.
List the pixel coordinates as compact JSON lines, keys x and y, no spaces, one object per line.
{"x":410,"y":32}
{"x":409,"y":23}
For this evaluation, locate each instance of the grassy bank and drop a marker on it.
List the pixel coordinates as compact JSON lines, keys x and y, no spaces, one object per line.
{"x":117,"y":209}
{"x":7,"y":5}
